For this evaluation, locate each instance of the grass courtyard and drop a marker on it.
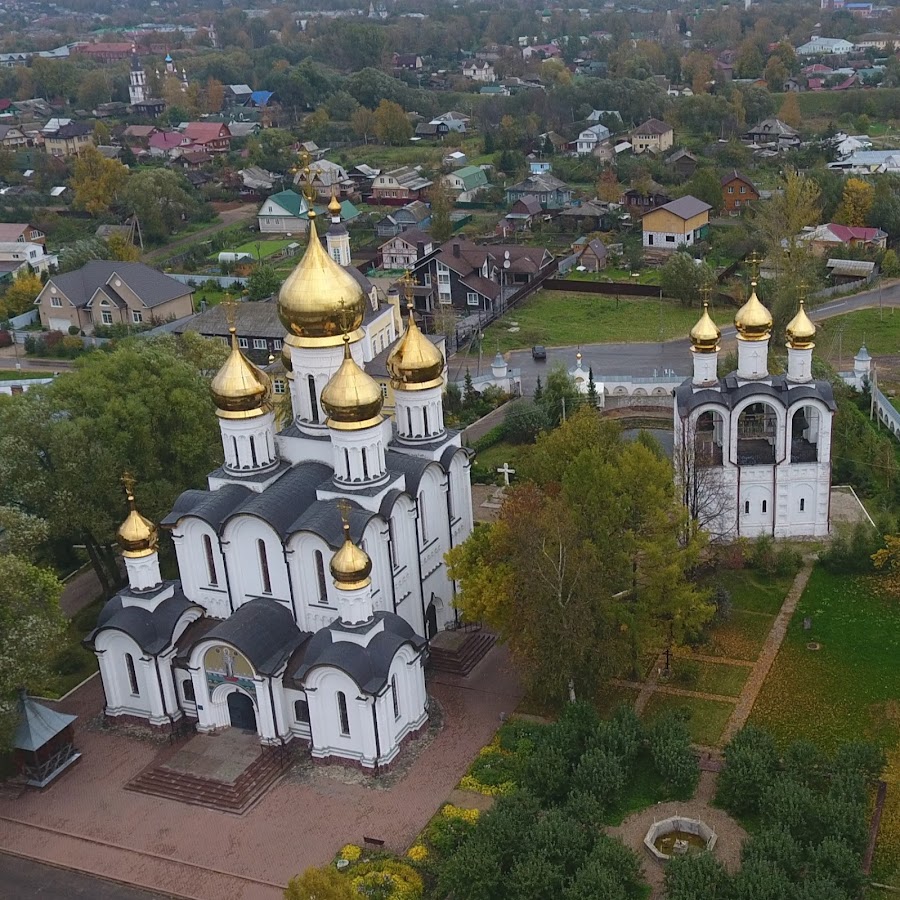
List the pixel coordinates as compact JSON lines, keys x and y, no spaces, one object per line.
{"x":554,"y":318}
{"x":839,"y":338}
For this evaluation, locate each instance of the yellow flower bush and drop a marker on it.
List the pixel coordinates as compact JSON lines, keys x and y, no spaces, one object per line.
{"x":471,"y":783}
{"x":350,"y":852}
{"x":458,"y":812}
{"x":387,"y":878}
{"x":418,"y":853}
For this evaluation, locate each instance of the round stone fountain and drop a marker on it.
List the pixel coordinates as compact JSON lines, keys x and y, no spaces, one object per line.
{"x":677,"y":836}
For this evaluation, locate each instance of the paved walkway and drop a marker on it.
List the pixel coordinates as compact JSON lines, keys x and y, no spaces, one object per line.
{"x":80,"y":590}
{"x":767,"y":655}
{"x":88,"y":822}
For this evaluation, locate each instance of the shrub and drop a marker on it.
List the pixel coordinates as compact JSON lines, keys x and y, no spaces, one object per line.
{"x":417,"y":853}
{"x":70,"y":660}
{"x":858,"y":758}
{"x":494,"y":767}
{"x":446,"y":835}
{"x":762,"y":554}
{"x":851,"y":549}
{"x":489,"y":438}
{"x":74,"y":330}
{"x":694,"y":876}
{"x":601,"y":774}
{"x":524,"y":421}
{"x":751,"y":762}
{"x":350,"y":852}
{"x":386,"y":879}
{"x":670,"y":747}
{"x":621,"y":736}
{"x":787,"y":561}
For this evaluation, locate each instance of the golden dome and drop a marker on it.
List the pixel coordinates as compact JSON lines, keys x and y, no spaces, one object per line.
{"x":800,"y":331}
{"x":351,"y":398}
{"x":350,"y":566}
{"x":137,"y":536}
{"x":705,"y":334}
{"x":415,"y":363}
{"x":334,"y":207}
{"x":320,"y":301}
{"x":240,"y":390}
{"x":753,"y":321}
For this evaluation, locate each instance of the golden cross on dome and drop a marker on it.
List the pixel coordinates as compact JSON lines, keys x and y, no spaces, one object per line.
{"x":801,"y":290}
{"x":706,"y":293}
{"x":344,"y":509}
{"x":754,"y":260}
{"x":128,"y":482}
{"x":409,"y":284}
{"x":230,"y":308}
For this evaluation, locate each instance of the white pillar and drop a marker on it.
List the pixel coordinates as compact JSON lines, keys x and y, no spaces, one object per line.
{"x":359,"y":458}
{"x":753,"y":359}
{"x":249,"y":444}
{"x":705,"y":367}
{"x":799,"y":364}
{"x":419,"y":414}
{"x":355,"y":604}
{"x":143,"y":572}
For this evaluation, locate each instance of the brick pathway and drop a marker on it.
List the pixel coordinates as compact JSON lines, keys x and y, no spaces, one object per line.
{"x":768,"y":653}
{"x":671,"y":689}
{"x":87,"y":821}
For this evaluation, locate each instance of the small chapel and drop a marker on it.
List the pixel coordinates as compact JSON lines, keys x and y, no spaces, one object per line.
{"x":752,"y":449}
{"x":311,"y":568}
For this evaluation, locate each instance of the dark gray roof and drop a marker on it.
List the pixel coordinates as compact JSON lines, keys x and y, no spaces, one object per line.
{"x":686,"y":207}
{"x":264,"y":631}
{"x":367,"y":666}
{"x":214,"y":507}
{"x":37,"y":724}
{"x":252,"y":319}
{"x":151,"y":631}
{"x":283,"y":502}
{"x":324,"y":519}
{"x":413,"y":467}
{"x":151,"y":286}
{"x":731,"y":393}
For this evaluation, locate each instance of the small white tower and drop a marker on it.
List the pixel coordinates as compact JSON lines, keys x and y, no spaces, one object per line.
{"x":139,"y":541}
{"x":862,"y":367}
{"x":754,"y":326}
{"x":243,"y":396}
{"x":137,"y":79}
{"x":416,"y":367}
{"x":352,"y":399}
{"x":170,"y":65}
{"x":705,"y":349}
{"x":337,"y":238}
{"x":351,"y":570}
{"x":499,"y":367}
{"x":801,"y":335}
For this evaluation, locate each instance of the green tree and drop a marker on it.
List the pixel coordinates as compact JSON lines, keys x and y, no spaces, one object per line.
{"x":392,"y":125}
{"x":95,"y":88}
{"x":263,"y":281}
{"x":162,"y":200}
{"x":320,"y":884}
{"x":341,"y":106}
{"x":683,"y":277}
{"x":31,"y":626}
{"x":559,"y":396}
{"x":441,"y":206}
{"x":142,"y":408}
{"x":524,"y":421}
{"x":96,"y":181}
{"x":318,"y":124}
{"x":20,"y":295}
{"x":706,"y":185}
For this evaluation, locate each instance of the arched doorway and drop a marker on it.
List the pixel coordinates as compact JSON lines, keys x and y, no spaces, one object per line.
{"x":241,"y":711}
{"x":431,"y":626}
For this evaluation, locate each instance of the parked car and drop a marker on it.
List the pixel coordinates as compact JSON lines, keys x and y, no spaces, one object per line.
{"x":538,"y":352}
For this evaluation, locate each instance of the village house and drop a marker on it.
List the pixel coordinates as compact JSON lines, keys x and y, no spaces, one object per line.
{"x":521,"y":215}
{"x":404,"y":250}
{"x":21,"y":233}
{"x":825,"y":240}
{"x":237,"y":95}
{"x":590,"y":139}
{"x":773,"y":131}
{"x":17,"y":257}
{"x":214,"y":137}
{"x":284,"y":213}
{"x":410,"y":61}
{"x":684,"y":221}
{"x":738,"y":192}
{"x":69,"y":140}
{"x":107,"y":292}
{"x":551,"y":192}
{"x":432,"y":130}
{"x":165,"y":143}
{"x":455,"y":121}
{"x":824,"y":45}
{"x":683,"y":163}
{"x":470,"y":277}
{"x":138,"y":136}
{"x":260,"y":331}
{"x":400,"y":185}
{"x":414,"y":215}
{"x":468,"y":181}
{"x":653,"y":135}
{"x":12,"y":137}
{"x":479,"y":70}
{"x":106,"y":52}
{"x":328,"y":178}
{"x":592,"y":255}
{"x":637,"y":202}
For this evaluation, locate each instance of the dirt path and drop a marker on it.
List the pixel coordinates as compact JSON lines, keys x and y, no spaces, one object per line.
{"x":227,"y":218}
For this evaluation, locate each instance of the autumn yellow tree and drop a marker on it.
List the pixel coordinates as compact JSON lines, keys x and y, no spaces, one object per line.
{"x":856,"y":202}
{"x":121,"y":248}
{"x":392,"y":125}
{"x":20,"y":295}
{"x":608,"y":187}
{"x":698,"y":68}
{"x":320,"y":884}
{"x":214,"y":95}
{"x":790,"y":110}
{"x":363,"y":121}
{"x":96,"y":181}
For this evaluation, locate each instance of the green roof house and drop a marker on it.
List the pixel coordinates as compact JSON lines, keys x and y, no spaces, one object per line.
{"x":284,"y":213}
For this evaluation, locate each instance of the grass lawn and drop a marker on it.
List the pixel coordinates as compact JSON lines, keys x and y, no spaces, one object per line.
{"x":492,"y":458}
{"x":754,"y":591}
{"x":844,"y":335}
{"x":73,"y":663}
{"x":554,"y":318}
{"x":741,"y":637}
{"x":706,"y":718}
{"x":848,"y":689}
{"x":18,"y":375}
{"x":707,"y":677}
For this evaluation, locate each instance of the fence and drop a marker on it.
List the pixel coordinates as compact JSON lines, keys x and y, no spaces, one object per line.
{"x":578,"y":286}
{"x":223,"y":281}
{"x":886,"y":412}
{"x":849,"y":287}
{"x":27,"y":318}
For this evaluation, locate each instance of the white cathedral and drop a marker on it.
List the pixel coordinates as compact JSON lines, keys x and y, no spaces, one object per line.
{"x":753,"y":450}
{"x":312,"y":569}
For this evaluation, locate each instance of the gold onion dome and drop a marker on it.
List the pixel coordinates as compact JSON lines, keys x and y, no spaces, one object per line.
{"x":137,"y":536}
{"x":350,"y":566}
{"x":351,"y":398}
{"x":320,"y":301}
{"x":415,"y":363}
{"x":334,"y":207}
{"x":800,"y":331}
{"x":753,"y":321}
{"x":705,"y":334}
{"x":240,"y":389}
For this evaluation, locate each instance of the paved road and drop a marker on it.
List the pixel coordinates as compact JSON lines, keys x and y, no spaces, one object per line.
{"x":23,"y":879}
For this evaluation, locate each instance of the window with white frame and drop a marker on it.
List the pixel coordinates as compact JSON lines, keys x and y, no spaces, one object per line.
{"x":445,"y":299}
{"x":259,"y":344}
{"x":426,"y":279}
{"x":106,"y":317}
{"x":278,"y":386}
{"x":243,"y":343}
{"x":55,"y":301}
{"x":277,"y":344}
{"x":137,"y":316}
{"x":472,"y":298}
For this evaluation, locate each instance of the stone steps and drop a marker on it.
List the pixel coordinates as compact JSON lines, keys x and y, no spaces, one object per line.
{"x":464,"y":658}
{"x":233,"y":797}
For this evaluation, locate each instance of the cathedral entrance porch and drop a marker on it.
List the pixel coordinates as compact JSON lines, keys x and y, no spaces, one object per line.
{"x":241,"y":711}
{"x":228,"y":771}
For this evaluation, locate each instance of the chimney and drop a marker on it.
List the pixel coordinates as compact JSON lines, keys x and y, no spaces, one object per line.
{"x":456,"y":249}
{"x":420,"y":249}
